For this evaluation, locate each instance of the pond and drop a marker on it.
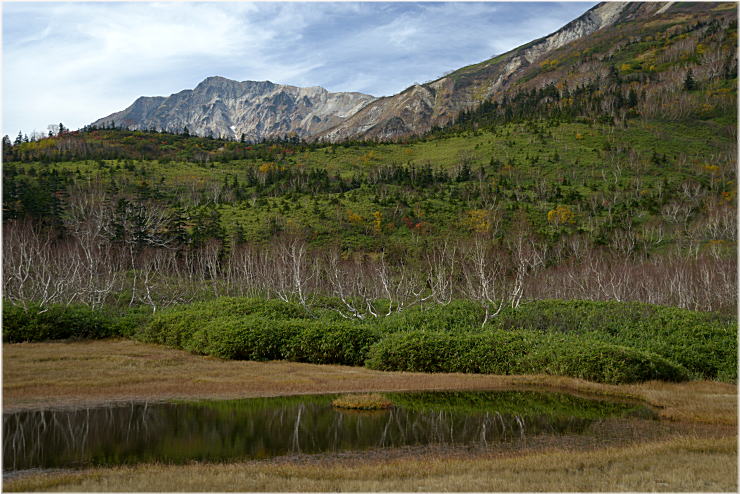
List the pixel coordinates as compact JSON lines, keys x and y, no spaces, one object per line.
{"x":259,"y":428}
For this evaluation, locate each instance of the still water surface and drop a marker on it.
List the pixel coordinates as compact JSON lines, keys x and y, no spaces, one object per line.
{"x":266,"y":427}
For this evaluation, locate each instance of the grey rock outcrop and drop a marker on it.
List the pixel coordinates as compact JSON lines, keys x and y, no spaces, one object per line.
{"x":228,"y":108}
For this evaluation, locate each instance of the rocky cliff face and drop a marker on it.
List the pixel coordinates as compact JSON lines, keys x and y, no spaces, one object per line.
{"x":223,"y":107}
{"x":421,"y":107}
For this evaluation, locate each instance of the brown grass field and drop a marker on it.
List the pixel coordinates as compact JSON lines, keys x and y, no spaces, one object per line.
{"x":694,"y":450}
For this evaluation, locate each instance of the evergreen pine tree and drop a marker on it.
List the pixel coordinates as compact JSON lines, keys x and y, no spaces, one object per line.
{"x":177,"y":227}
{"x":7,"y":148}
{"x":118,"y":224}
{"x":632,"y":98}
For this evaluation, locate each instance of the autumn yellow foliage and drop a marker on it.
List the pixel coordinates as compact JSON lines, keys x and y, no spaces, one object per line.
{"x":549,"y":64}
{"x":353,"y":217}
{"x":265,"y":167}
{"x":479,"y":220}
{"x":366,"y":158}
{"x":560,"y":216}
{"x":377,"y":221}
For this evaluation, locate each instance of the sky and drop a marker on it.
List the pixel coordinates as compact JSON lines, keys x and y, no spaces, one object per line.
{"x":75,"y":62}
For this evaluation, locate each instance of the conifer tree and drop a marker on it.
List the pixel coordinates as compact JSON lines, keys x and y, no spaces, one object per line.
{"x":6,"y":146}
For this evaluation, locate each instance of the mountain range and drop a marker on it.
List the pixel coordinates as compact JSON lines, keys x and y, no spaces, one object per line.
{"x":222,"y":107}
{"x":255,"y":110}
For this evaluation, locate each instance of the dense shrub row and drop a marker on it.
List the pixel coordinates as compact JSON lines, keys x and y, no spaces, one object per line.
{"x":459,"y":315}
{"x":255,"y":329}
{"x":520,"y":352}
{"x":300,"y":340}
{"x":702,"y":342}
{"x":56,"y":322}
{"x":600,"y":341}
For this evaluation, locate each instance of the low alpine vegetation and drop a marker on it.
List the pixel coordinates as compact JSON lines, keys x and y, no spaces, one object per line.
{"x":370,"y":401}
{"x":609,"y":342}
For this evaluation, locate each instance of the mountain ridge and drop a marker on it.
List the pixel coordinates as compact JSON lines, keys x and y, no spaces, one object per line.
{"x":346,"y":115}
{"x":421,"y":107}
{"x":219,"y":106}
{"x":262,"y":109}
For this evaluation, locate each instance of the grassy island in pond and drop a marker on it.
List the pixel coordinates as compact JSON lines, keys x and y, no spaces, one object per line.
{"x":372,"y":401}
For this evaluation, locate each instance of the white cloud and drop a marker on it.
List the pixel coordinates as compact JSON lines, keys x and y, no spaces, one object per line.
{"x":93,"y":59}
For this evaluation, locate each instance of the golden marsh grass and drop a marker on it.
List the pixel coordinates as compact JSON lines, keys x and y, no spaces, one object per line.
{"x":684,"y":464}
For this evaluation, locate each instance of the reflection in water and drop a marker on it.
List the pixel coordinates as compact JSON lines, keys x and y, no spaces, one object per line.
{"x":261,"y":428}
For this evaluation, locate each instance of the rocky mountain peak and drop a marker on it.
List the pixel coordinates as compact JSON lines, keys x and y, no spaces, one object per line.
{"x":256,"y":109}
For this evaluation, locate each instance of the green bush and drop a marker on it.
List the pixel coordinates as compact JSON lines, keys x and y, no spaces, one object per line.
{"x":497,"y":352}
{"x":602,"y":341}
{"x":703,"y":343}
{"x":437,"y":351}
{"x":322,"y":342}
{"x":175,"y":326}
{"x":127,"y":323}
{"x":301,"y":340}
{"x":244,"y":329}
{"x":580,"y":316}
{"x":414,"y":351}
{"x":459,"y":315}
{"x":18,"y":324}
{"x":244,"y":338}
{"x":171,"y":328}
{"x":36,"y":323}
{"x":602,"y":362}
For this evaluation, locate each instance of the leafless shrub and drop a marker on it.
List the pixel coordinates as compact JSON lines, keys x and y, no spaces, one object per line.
{"x":675,"y":51}
{"x":41,"y":268}
{"x":720,"y":222}
{"x":484,"y":278}
{"x":293,"y":269}
{"x":704,"y":282}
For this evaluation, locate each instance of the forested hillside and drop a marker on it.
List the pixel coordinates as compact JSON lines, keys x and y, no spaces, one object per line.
{"x":607,"y":172}
{"x":574,"y":209}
